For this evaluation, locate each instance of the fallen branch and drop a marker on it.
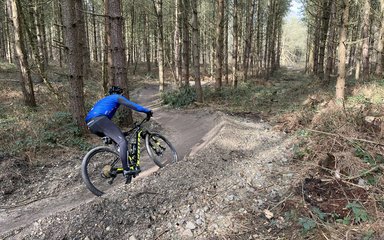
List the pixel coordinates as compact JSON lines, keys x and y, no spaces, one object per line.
{"x":365,"y":172}
{"x":285,"y":199}
{"x":347,"y":138}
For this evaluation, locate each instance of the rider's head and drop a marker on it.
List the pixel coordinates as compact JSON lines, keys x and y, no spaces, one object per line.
{"x":115,"y":90}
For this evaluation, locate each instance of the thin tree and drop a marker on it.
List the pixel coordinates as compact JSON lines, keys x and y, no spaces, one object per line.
{"x":235,"y":48}
{"x":366,"y":39}
{"x":380,"y":46}
{"x":326,"y":13}
{"x":177,"y":52}
{"x":219,"y":44}
{"x":340,"y":84}
{"x":196,"y":52}
{"x":158,"y":5}
{"x":16,"y":15}
{"x":330,"y":43}
{"x":248,"y":37}
{"x":186,"y":47}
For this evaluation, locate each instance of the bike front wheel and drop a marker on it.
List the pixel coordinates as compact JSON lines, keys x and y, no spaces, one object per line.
{"x":99,"y":169}
{"x":160,"y":150}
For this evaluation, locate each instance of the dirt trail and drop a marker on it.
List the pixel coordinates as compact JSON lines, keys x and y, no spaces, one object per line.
{"x":184,"y":129}
{"x":233,"y":169}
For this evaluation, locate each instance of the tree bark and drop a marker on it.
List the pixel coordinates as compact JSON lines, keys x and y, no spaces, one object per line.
{"x":178,"y":69}
{"x":248,"y":37}
{"x":235,"y":48}
{"x":226,"y":47}
{"x":219,"y":44}
{"x":146,"y":43}
{"x":21,"y":54}
{"x":117,"y":63}
{"x":330,"y":44}
{"x":326,"y":13}
{"x":158,"y":4}
{"x":196,"y":52}
{"x":366,"y":38}
{"x":380,"y":47}
{"x":186,"y":54}
{"x":340,"y":84}
{"x":72,"y":18}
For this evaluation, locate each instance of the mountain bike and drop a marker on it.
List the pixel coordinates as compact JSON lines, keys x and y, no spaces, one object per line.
{"x":102,"y":165}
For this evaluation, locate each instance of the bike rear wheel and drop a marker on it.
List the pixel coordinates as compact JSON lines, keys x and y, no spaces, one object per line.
{"x":160,"y":150}
{"x":99,"y":169}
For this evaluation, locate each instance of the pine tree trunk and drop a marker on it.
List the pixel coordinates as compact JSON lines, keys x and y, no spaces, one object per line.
{"x":196,"y":52}
{"x":259,"y":40}
{"x":323,"y":37}
{"x":380,"y":47}
{"x":235,"y":43}
{"x":72,"y":18}
{"x":316,"y":46}
{"x":158,"y":4}
{"x":226,"y":47}
{"x":366,"y":38}
{"x":146,"y":43}
{"x":330,"y":44}
{"x":21,"y":55}
{"x":248,"y":38}
{"x":186,"y":47}
{"x":178,"y":69}
{"x":219,"y":44}
{"x":95,"y":45}
{"x":340,"y":84}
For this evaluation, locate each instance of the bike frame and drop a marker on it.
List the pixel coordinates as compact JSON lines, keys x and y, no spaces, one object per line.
{"x":134,"y":154}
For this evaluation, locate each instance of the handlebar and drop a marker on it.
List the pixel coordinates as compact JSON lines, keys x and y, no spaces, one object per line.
{"x":136,"y":124}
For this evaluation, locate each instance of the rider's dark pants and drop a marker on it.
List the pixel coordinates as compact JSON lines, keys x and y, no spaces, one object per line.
{"x":104,"y":126}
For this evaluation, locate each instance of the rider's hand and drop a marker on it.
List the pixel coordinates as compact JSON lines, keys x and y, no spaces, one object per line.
{"x":149,"y":115}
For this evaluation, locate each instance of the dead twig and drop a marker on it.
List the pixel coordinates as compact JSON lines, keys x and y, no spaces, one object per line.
{"x":279,"y":203}
{"x":167,"y":230}
{"x":365,"y":172}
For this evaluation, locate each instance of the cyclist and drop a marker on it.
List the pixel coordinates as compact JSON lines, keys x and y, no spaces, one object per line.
{"x":99,"y":121}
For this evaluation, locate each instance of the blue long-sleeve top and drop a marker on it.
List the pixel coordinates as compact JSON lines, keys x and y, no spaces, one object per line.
{"x":108,"y":106}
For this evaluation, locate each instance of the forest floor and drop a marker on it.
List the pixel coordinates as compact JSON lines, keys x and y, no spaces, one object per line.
{"x":241,"y":175}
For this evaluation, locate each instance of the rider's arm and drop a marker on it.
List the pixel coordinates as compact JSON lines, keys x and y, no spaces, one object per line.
{"x":134,"y":106}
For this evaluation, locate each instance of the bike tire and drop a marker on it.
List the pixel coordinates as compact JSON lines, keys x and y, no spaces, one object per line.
{"x":162,"y":154}
{"x":93,"y":165}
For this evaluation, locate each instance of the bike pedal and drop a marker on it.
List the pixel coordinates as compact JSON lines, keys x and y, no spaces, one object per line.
{"x":128,"y":179}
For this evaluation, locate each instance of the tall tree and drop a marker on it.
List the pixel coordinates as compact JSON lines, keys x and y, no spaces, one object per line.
{"x":366,"y":38}
{"x":72,"y":20}
{"x":248,"y":37}
{"x":177,"y":43}
{"x":326,"y":13}
{"x":117,"y":63}
{"x":330,"y":44}
{"x":16,"y":15}
{"x":340,"y":84}
{"x":186,"y":54}
{"x":219,"y":44}
{"x":235,"y":48}
{"x":196,"y":51}
{"x":158,"y":4}
{"x":380,"y":45}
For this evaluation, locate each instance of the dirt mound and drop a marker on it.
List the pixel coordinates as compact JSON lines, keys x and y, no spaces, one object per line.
{"x":220,"y":190}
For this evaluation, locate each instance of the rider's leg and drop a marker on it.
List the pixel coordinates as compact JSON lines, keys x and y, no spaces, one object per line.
{"x":108,"y":128}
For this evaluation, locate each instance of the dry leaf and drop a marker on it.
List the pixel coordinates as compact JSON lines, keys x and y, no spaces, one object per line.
{"x":268,"y":214}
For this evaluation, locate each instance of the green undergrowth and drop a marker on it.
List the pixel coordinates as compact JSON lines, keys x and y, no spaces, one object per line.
{"x":35,"y":130}
{"x":283,"y":92}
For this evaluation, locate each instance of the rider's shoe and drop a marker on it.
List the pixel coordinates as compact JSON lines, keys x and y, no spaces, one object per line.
{"x":128,"y":176}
